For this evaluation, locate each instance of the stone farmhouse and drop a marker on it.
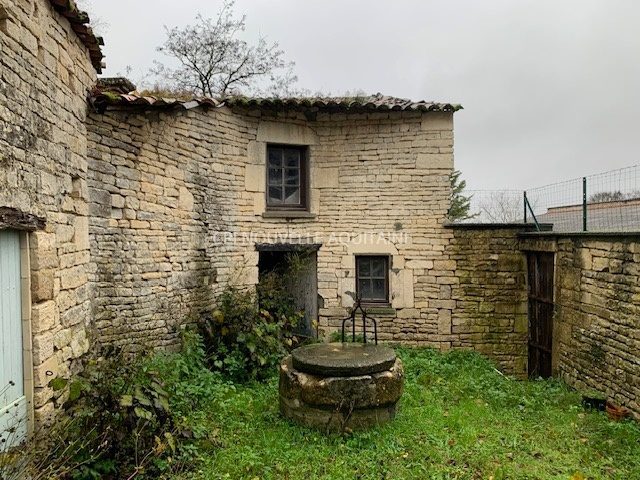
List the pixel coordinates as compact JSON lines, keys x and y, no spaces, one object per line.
{"x":123,"y":216}
{"x":187,"y":196}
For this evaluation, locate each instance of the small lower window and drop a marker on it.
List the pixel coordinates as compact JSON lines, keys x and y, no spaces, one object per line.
{"x":372,"y":278}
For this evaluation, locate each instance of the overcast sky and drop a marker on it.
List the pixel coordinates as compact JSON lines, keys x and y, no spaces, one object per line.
{"x":550,"y":88}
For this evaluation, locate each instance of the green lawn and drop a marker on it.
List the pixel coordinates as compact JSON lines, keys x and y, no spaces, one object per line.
{"x":458,"y":419}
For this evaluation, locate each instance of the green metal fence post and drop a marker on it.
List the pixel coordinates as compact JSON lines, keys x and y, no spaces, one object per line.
{"x":584,"y":204}
{"x":527,"y":205}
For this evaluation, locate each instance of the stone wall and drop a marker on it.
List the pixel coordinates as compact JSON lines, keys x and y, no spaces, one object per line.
{"x":489,"y":313}
{"x":156,"y":205}
{"x":178,"y":204}
{"x":45,"y":74}
{"x":596,"y":326}
{"x":596,"y":337}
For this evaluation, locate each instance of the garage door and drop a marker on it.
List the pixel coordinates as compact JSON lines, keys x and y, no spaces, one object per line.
{"x":13,"y":405}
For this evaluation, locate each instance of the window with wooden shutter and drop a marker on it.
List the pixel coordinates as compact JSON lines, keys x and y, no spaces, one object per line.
{"x":286,"y":177}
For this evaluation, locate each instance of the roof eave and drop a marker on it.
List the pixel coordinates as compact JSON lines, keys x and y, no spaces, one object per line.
{"x":103,"y":100}
{"x":79,"y":21}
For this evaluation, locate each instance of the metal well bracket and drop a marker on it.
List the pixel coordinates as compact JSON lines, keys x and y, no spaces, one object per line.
{"x":365,"y":318}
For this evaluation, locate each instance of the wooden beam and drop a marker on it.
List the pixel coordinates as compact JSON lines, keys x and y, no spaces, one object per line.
{"x":18,"y":220}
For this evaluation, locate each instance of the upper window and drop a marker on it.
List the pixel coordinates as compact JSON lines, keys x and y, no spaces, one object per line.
{"x":372,"y":278}
{"x":286,"y":177}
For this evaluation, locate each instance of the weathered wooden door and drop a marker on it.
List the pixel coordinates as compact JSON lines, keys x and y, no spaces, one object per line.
{"x":304,"y":288}
{"x":299,"y":268}
{"x":540,"y":276}
{"x":13,"y":405}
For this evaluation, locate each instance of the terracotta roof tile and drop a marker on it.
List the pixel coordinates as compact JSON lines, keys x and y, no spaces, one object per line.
{"x":377,"y":102}
{"x":79,"y":23}
{"x":102,"y":99}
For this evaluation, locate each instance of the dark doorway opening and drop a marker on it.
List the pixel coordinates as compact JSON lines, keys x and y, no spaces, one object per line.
{"x":297,"y":268}
{"x":540,"y":292}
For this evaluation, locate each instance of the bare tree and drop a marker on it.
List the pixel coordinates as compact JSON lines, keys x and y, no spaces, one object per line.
{"x":213,"y":61}
{"x":500,"y":206}
{"x":606,"y":197}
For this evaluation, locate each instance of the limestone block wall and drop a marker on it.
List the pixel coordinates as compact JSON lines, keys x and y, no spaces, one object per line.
{"x":177,"y":206}
{"x":596,"y":337}
{"x":156,"y":185}
{"x":177,"y":202}
{"x":489,"y":311}
{"x":45,"y":72}
{"x":379,"y":185}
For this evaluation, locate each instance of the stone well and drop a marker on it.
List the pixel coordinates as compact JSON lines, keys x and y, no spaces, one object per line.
{"x":338,"y":386}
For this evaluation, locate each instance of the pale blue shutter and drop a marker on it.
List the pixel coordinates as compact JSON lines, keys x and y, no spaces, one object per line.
{"x":13,"y":408}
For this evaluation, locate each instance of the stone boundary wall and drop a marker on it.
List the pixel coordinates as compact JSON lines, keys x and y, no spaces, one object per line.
{"x":597,"y":312}
{"x":490,"y":294}
{"x":177,"y":205}
{"x":46,"y":73}
{"x":596,"y":336}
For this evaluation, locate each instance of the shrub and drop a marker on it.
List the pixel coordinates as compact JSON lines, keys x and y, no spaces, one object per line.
{"x":119,"y":420}
{"x":57,"y":452}
{"x":118,"y":395}
{"x":193,"y":388}
{"x":248,"y":333}
{"x":114,"y":423}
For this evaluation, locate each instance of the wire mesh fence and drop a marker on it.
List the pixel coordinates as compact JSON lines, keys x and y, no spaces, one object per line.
{"x":605,"y":202}
{"x":558,"y":204}
{"x":613,"y":200}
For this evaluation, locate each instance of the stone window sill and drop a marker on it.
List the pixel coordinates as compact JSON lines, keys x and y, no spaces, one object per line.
{"x":288,"y":214}
{"x":379,"y":309}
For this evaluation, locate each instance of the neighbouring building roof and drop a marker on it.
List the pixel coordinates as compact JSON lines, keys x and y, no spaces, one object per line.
{"x":110,"y":93}
{"x":613,"y":216}
{"x":79,"y":21}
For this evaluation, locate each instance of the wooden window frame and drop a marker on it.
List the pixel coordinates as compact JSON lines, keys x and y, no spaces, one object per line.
{"x":387,"y":286}
{"x":304,"y":179}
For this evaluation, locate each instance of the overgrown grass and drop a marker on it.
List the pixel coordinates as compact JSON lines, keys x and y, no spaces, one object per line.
{"x":458,"y":419}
